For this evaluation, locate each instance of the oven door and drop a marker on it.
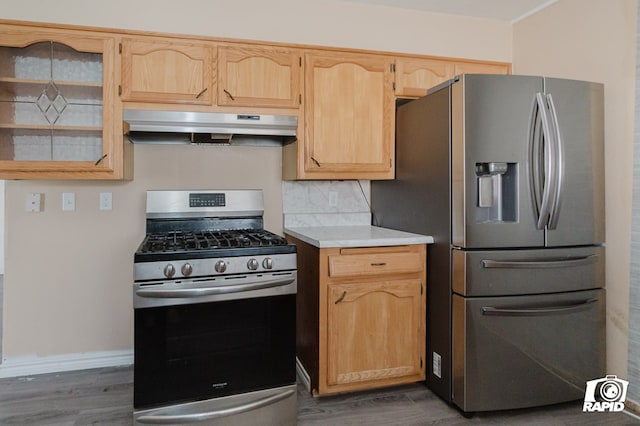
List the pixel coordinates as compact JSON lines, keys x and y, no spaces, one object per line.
{"x":210,"y":343}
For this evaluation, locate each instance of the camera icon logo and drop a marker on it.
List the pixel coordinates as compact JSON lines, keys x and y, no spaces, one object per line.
{"x":605,"y":394}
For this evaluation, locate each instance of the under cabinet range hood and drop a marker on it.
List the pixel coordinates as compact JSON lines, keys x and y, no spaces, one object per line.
{"x":181,"y":127}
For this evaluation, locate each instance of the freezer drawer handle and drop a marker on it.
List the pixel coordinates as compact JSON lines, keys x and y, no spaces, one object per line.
{"x":200,"y":417}
{"x":502,"y":312}
{"x":540,"y":264}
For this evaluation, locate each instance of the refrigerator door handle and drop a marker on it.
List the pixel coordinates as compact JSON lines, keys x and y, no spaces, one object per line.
{"x":558,"y":163}
{"x":549,"y":163}
{"x":539,"y":264}
{"x":551,"y":310}
{"x":535,"y":175}
{"x":540,"y":150}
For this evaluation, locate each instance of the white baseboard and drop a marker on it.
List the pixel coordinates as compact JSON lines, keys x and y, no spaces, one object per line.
{"x":632,"y":408}
{"x":30,"y":365}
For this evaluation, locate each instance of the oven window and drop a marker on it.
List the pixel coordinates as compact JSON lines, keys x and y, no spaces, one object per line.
{"x":191,"y":352}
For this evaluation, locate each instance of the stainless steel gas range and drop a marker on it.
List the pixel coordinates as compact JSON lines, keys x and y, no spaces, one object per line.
{"x":214,"y":313}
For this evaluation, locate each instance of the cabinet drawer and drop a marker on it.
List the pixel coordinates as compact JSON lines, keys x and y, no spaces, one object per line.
{"x":356,"y":262}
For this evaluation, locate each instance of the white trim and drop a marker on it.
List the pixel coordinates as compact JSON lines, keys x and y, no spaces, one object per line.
{"x":631,"y":414}
{"x":29,"y":365}
{"x":632,"y":408}
{"x":533,"y":11}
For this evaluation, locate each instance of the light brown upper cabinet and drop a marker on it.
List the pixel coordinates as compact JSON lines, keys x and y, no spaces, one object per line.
{"x":480,"y":68}
{"x":414,"y":76}
{"x":167,"y":71}
{"x":259,"y":76}
{"x":59,"y":106}
{"x":349,"y":117}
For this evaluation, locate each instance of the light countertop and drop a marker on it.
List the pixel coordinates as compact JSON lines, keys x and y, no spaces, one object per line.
{"x":355,"y":236}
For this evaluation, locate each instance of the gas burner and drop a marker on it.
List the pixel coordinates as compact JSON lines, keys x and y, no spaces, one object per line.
{"x":180,"y":241}
{"x":208,"y":233}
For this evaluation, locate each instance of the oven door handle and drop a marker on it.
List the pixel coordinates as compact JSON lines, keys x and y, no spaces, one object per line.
{"x":210,"y":415}
{"x":213,"y":290}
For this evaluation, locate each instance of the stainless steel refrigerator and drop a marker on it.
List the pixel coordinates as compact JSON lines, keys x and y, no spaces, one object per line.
{"x":507,"y":174}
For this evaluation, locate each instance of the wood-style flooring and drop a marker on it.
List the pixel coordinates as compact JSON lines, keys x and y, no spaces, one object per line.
{"x":104,"y":397}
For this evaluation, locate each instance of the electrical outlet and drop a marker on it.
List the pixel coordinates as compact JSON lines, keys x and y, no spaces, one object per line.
{"x":68,"y":201}
{"x":34,"y":202}
{"x":106,"y":201}
{"x":333,"y":198}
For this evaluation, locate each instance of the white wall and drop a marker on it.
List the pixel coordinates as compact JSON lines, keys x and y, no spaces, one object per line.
{"x":633,"y":374}
{"x":327,"y":22}
{"x":69,"y":274}
{"x":595,"y":40}
{"x":1,"y":234}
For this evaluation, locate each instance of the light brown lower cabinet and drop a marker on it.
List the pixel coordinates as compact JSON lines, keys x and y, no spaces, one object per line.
{"x":361,"y":316}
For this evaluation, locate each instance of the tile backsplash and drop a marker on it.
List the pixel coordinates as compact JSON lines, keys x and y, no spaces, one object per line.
{"x":326,"y":203}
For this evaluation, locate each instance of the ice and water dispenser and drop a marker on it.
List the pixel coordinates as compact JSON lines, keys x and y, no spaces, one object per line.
{"x":497,"y":192}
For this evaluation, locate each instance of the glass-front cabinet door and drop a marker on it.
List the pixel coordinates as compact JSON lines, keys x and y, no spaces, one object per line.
{"x":57,"y":107}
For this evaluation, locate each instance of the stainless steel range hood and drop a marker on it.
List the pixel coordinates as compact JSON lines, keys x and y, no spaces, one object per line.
{"x":180,"y":127}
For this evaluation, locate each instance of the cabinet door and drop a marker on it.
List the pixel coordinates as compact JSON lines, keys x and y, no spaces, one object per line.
{"x":259,"y":76}
{"x":480,"y":68}
{"x":374,"y":331}
{"x":57,"y":106}
{"x":349,"y":111}
{"x":414,"y":76}
{"x":167,"y":72}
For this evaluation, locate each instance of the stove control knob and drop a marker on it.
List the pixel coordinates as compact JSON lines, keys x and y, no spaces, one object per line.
{"x":169,"y":271}
{"x":186,"y":269}
{"x":267,"y":263}
{"x":252,"y":264}
{"x":220,"y":266}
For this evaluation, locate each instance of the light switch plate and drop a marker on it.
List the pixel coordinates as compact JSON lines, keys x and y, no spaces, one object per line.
{"x":68,"y":201}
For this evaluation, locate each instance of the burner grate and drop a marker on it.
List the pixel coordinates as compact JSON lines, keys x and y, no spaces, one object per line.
{"x":207,"y":240}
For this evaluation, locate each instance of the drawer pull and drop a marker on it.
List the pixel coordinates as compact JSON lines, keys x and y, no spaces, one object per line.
{"x":341,"y":298}
{"x":379,"y":264}
{"x":552,"y":310}
{"x":201,"y":92}
{"x":540,"y":264}
{"x":229,"y":94}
